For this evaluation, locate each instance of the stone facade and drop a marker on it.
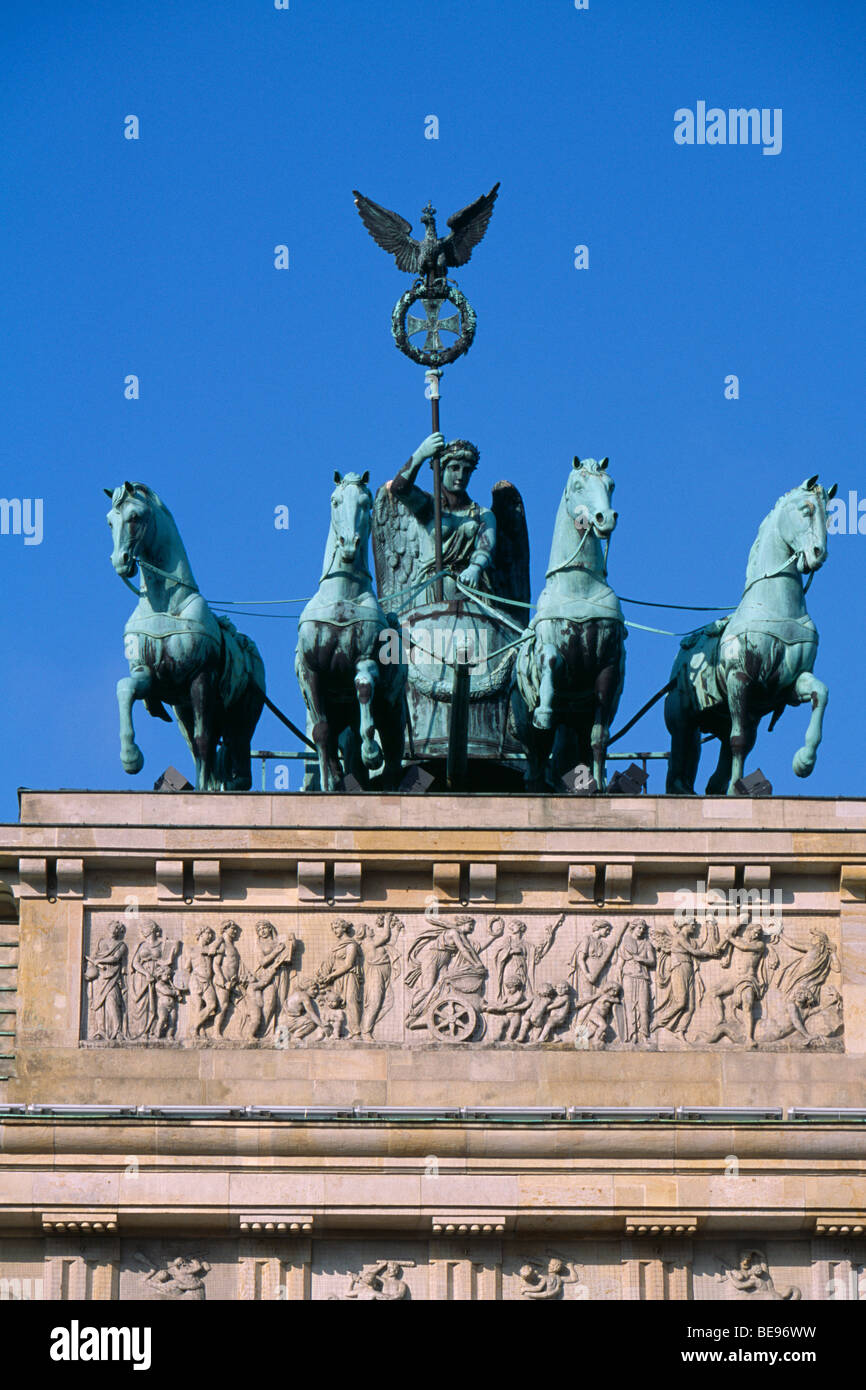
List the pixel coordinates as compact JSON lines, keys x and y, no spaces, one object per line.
{"x":420,"y":972}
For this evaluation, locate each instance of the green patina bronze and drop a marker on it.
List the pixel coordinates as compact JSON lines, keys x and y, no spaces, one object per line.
{"x":440,"y":662}
{"x":180,"y":653}
{"x":351,"y":691}
{"x":430,"y":260}
{"x":731,"y":673}
{"x":570,"y":673}
{"x":483,"y":580}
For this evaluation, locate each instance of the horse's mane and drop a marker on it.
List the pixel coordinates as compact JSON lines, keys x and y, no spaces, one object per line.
{"x":354,"y":478}
{"x":765,"y":524}
{"x":147,"y":492}
{"x":151,"y":496}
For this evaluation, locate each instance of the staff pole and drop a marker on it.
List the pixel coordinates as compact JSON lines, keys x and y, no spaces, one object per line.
{"x":432,"y":391}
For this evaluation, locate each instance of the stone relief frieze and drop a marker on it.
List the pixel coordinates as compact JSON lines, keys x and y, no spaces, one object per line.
{"x":482,"y":978}
{"x":368,"y":1268}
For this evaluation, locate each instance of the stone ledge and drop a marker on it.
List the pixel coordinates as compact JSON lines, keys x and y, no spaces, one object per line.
{"x":778,"y":1146}
{"x":434,"y":1077}
{"x":305,"y":810}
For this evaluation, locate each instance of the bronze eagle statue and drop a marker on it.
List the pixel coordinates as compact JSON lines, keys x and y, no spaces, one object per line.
{"x":431,"y":257}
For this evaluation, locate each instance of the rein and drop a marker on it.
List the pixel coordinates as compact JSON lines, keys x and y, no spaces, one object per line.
{"x":364,"y":577}
{"x":283,"y":718}
{"x":154,"y":569}
{"x":557,"y":569}
{"x":792,"y":559}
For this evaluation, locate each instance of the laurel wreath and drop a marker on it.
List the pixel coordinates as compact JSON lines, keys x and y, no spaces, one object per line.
{"x":468,"y":320}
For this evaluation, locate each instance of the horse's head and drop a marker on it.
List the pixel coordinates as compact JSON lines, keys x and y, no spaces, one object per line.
{"x":803,"y":523}
{"x":132,"y":523}
{"x":587,"y":496}
{"x":351,"y":514}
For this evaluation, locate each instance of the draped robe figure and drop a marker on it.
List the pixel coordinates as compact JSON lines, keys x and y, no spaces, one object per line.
{"x":485,"y":585}
{"x":343,"y":970}
{"x":105,"y":973}
{"x":146,"y":960}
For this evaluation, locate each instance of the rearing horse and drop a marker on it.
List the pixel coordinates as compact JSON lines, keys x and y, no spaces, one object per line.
{"x":344,"y":680}
{"x":731,"y":673}
{"x":179,"y":651}
{"x":570,"y":674}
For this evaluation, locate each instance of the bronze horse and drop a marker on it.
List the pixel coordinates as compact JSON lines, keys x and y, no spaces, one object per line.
{"x":179,"y":651}
{"x":347,"y":682}
{"x":570,"y":672}
{"x":731,"y":673}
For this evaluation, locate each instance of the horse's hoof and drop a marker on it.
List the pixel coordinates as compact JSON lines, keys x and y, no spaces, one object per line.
{"x":371,"y":755}
{"x":133,"y":761}
{"x":804,"y":762}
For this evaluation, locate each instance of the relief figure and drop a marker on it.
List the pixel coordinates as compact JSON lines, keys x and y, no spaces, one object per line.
{"x":343,"y":969}
{"x":105,"y":973}
{"x":751,"y":1278}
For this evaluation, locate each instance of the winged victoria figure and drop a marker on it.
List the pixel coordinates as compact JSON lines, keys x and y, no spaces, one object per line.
{"x":484,"y":547}
{"x":485,"y":557}
{"x":431,"y":257}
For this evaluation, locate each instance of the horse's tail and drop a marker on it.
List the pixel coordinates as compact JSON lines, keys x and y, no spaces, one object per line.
{"x":705,"y":633}
{"x":242,"y":694}
{"x":242,"y":665}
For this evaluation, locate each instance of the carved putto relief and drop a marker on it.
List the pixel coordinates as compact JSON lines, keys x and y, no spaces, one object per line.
{"x":548,"y":1280}
{"x":181,"y":1279}
{"x":378,"y":1283}
{"x":443,"y":978}
{"x":751,"y":1278}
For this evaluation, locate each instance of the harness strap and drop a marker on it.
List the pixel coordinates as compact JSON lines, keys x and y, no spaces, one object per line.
{"x":500,"y":617}
{"x":791,"y":560}
{"x":565,"y":564}
{"x":171,"y":578}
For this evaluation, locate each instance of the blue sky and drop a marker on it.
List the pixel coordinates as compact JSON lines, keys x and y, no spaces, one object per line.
{"x":155,"y":257}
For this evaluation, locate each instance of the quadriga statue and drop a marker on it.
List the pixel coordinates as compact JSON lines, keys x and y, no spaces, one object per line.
{"x":732,"y":672}
{"x":179,"y":652}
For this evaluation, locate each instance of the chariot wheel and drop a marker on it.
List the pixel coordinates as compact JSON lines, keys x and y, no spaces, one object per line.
{"x":453,"y":1020}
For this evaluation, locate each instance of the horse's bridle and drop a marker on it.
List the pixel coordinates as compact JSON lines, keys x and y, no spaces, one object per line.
{"x":163,"y":574}
{"x":567,"y":564}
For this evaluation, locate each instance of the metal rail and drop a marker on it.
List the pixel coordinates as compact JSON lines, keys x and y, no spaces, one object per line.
{"x":572,"y":1114}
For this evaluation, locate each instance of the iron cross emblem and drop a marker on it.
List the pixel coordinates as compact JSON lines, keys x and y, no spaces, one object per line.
{"x":433,"y":325}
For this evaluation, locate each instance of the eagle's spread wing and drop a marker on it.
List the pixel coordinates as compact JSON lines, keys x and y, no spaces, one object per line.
{"x":391,"y":231}
{"x":467,"y":228}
